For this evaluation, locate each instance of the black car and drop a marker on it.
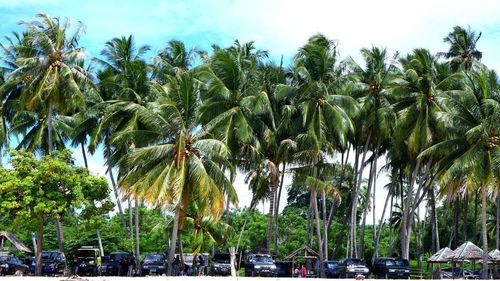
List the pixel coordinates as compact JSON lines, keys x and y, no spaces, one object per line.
{"x":153,"y":264}
{"x":352,"y":268}
{"x":284,"y":268}
{"x":260,"y":265}
{"x":391,"y":268}
{"x":115,"y":266}
{"x":87,"y":261}
{"x":330,"y":268}
{"x":53,"y":263}
{"x":11,"y":265}
{"x":221,"y":265}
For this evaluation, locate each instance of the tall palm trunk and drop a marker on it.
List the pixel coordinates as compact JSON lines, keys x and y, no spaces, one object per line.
{"x":365,"y":212}
{"x":137,"y":246}
{"x":59,"y":230}
{"x":314,"y":201}
{"x":115,"y":191}
{"x":173,"y":239}
{"x":270,"y":216}
{"x":354,"y":210}
{"x":497,"y":228}
{"x":84,"y":154}
{"x":474,"y":229}
{"x":405,"y":230}
{"x":465,"y":210}
{"x":381,"y":226}
{"x":277,"y":208}
{"x":484,"y":232}
{"x":130,"y":220}
{"x":325,"y":225}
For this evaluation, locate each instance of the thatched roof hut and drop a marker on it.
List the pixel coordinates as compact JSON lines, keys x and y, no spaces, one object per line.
{"x":440,"y":256}
{"x":18,"y":245}
{"x":304,"y":252}
{"x":495,"y":255}
{"x":466,"y":251}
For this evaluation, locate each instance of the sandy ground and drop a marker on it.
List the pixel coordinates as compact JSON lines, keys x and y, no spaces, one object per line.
{"x":153,"y":278}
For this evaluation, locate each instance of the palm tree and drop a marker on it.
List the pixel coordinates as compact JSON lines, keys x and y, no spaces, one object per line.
{"x":472,"y":153}
{"x":419,"y":92}
{"x":171,"y":59}
{"x":174,"y":162}
{"x":325,"y":112}
{"x":375,"y":120}
{"x":462,"y":53}
{"x":232,"y":99}
{"x":51,"y":73}
{"x":124,"y":80}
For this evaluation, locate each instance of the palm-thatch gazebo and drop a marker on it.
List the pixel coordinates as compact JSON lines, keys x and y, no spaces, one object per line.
{"x":304,"y":252}
{"x":17,"y":245}
{"x":439,"y":257}
{"x":468,"y":251}
{"x":495,"y":259}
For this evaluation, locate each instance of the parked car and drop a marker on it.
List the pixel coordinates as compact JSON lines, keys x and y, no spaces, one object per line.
{"x":221,"y":265}
{"x":391,"y":268}
{"x":12,"y":265}
{"x":113,"y":266}
{"x":87,"y":261}
{"x":53,"y":263}
{"x":153,"y":264}
{"x":330,"y":268}
{"x":352,"y":268}
{"x":260,"y":265}
{"x":284,"y":268}
{"x":452,"y":273}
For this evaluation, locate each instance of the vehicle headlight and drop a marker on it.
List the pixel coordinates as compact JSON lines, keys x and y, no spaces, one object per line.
{"x":407,"y":271}
{"x":351,"y":269}
{"x":273,"y":266}
{"x":392,"y":270}
{"x":257,"y":267}
{"x":365,"y":269}
{"x":91,"y":262}
{"x":161,"y":266}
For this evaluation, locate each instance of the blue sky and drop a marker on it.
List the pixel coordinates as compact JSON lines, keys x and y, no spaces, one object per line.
{"x":280,"y":27}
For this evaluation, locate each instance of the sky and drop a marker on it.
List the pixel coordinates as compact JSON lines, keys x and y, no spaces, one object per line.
{"x":280,"y":27}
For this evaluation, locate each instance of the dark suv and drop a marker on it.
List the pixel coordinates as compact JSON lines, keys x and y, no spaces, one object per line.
{"x":331,"y":269}
{"x":87,"y":261}
{"x":114,"y":267}
{"x":221,"y":265}
{"x":153,"y":264}
{"x":53,"y":262}
{"x":391,"y":268}
{"x":260,"y":265}
{"x":12,"y":265}
{"x":352,"y":268}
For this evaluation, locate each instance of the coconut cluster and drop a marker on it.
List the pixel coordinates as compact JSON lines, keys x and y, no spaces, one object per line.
{"x":492,"y":142}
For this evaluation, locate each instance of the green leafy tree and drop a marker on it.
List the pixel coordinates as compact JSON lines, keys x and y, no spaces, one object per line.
{"x":35,"y":191}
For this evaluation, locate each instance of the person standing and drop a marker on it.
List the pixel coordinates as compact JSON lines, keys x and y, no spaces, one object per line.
{"x":304,"y":271}
{"x":130,"y":264}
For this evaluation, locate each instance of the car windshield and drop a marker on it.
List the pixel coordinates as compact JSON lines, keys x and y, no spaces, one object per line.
{"x":331,"y":265}
{"x":85,"y":253}
{"x":48,"y":255}
{"x":396,"y":263}
{"x":152,"y":257}
{"x":115,"y":257}
{"x":354,"y":262}
{"x":266,"y":259}
{"x":221,"y":258}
